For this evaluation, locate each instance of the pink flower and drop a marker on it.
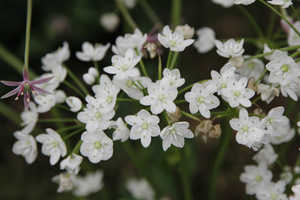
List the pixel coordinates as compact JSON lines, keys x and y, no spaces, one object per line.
{"x":25,"y":87}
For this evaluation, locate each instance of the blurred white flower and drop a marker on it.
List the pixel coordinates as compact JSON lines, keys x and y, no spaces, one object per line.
{"x":230,"y":48}
{"x":206,"y":39}
{"x":140,"y":189}
{"x":92,"y":53}
{"x":109,"y":21}
{"x":74,"y":103}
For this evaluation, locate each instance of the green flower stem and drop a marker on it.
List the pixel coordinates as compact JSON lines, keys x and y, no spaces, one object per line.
{"x":174,"y":58}
{"x":225,"y":141}
{"x":77,"y":147}
{"x":190,"y":86}
{"x":74,"y":88}
{"x":176,"y":12}
{"x":10,"y":113}
{"x":297,"y":53}
{"x":77,"y":81}
{"x":58,"y":120}
{"x":137,"y":86}
{"x":298,"y":60}
{"x":189,"y":115}
{"x":27,"y":40}
{"x":180,"y":101}
{"x":169,"y":58}
{"x":159,"y":67}
{"x":184,"y":176}
{"x":73,"y":133}
{"x":271,"y":52}
{"x":256,"y":99}
{"x":62,"y":107}
{"x":141,"y":63}
{"x":167,"y":118}
{"x":271,"y":25}
{"x":280,"y":15}
{"x":69,"y":128}
{"x":123,"y":99}
{"x":260,"y":77}
{"x":13,"y":61}
{"x":126,"y":14}
{"x":151,"y":14}
{"x":97,"y":68}
{"x":139,"y":164}
{"x":251,"y":20}
{"x":295,"y":12}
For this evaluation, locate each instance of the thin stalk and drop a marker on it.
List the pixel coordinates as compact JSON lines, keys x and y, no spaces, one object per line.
{"x":190,"y":116}
{"x":126,"y":14}
{"x":13,"y":61}
{"x":76,"y":148}
{"x":180,"y":101}
{"x":159,"y":67}
{"x":169,"y":58}
{"x":97,"y":68}
{"x":271,"y":25}
{"x":295,"y":12}
{"x":27,"y":40}
{"x":143,"y":68}
{"x":73,"y":133}
{"x":252,"y":21}
{"x":174,"y":58}
{"x":151,"y":14}
{"x":58,"y":120}
{"x":69,"y":128}
{"x":256,"y":99}
{"x":185,"y":177}
{"x":77,"y":81}
{"x":167,"y":118}
{"x":225,"y":141}
{"x":280,"y":15}
{"x":62,"y":107}
{"x":297,"y":53}
{"x":74,"y":88}
{"x":260,"y":77}
{"x":131,"y":100}
{"x":176,"y":12}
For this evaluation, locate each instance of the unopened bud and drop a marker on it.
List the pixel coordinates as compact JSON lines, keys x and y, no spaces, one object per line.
{"x":88,"y":79}
{"x":74,"y":103}
{"x":258,"y":111}
{"x":109,"y":21}
{"x":237,"y":61}
{"x":151,"y":48}
{"x":175,"y":116}
{"x":93,"y":71}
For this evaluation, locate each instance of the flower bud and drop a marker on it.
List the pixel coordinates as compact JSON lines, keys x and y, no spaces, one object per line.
{"x":60,"y":96}
{"x":89,"y":79}
{"x":151,"y":48}
{"x":187,"y":31}
{"x":93,"y":71}
{"x":74,"y":103}
{"x":237,"y":61}
{"x":175,"y":116}
{"x":109,"y":21}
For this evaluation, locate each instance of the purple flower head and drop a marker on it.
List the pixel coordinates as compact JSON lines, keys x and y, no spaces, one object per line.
{"x":25,"y":87}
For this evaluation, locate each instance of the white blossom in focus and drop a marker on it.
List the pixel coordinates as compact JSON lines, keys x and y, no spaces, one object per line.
{"x":96,"y":146}
{"x":267,"y":92}
{"x":74,"y":103}
{"x":206,"y":39}
{"x":175,"y":134}
{"x":25,"y":146}
{"x":88,"y":79}
{"x":92,"y":53}
{"x":29,"y":117}
{"x":121,"y":131}
{"x":174,"y":40}
{"x":174,"y":77}
{"x":71,"y":163}
{"x":230,"y":48}
{"x":88,"y":184}
{"x":161,"y":97}
{"x":186,"y":30}
{"x":53,"y":145}
{"x":144,"y":126}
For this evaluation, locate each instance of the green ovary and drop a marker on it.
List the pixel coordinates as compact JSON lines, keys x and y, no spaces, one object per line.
{"x":97,"y":145}
{"x":201,"y":99}
{"x":145,"y":126}
{"x":97,"y":115}
{"x":161,"y":97}
{"x":245,"y":128}
{"x":285,"y":68}
{"x":237,"y":93}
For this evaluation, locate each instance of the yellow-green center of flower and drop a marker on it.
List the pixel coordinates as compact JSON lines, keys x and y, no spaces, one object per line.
{"x":145,"y":126}
{"x":97,"y":115}
{"x":54,"y":144}
{"x":285,"y":68}
{"x":223,"y":85}
{"x":258,"y":178}
{"x":124,"y":67}
{"x":273,"y":196}
{"x":173,"y":42}
{"x":27,"y":87}
{"x":129,"y":83}
{"x":271,"y":120}
{"x":97,"y":145}
{"x":173,"y":131}
{"x":161,"y":97}
{"x":109,"y":99}
{"x":201,"y":99}
{"x":237,"y":93}
{"x":245,"y":128}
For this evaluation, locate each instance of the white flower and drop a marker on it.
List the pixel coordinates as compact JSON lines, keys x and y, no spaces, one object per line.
{"x":244,"y":2}
{"x":109,"y":21}
{"x":130,"y":41}
{"x":283,"y":3}
{"x":226,"y":74}
{"x":237,"y":93}
{"x":255,"y":177}
{"x":283,"y":134}
{"x":230,"y":48}
{"x":144,"y":126}
{"x":248,"y":131}
{"x":25,"y":146}
{"x":206,"y":40}
{"x":71,"y":163}
{"x":224,"y":3}
{"x":93,"y":71}
{"x":88,"y":79}
{"x":298,"y":123}
{"x":95,"y":115}
{"x":29,"y":117}
{"x":267,"y":50}
{"x":274,"y":119}
{"x":124,"y":67}
{"x":201,"y":99}
{"x":174,"y":77}
{"x":296,"y":191}
{"x":161,"y":97}
{"x":186,"y":30}
{"x":96,"y":146}
{"x":129,"y":3}
{"x":272,"y":191}
{"x":140,"y":189}
{"x":175,"y":134}
{"x":266,"y":155}
{"x":267,"y":92}
{"x":92,"y":53}
{"x":251,"y":68}
{"x":45,"y":102}
{"x":121,"y":131}
{"x":282,"y":68}
{"x":174,"y":40}
{"x":91,"y":183}
{"x":53,"y":145}
{"x":60,"y":96}
{"x":133,"y":86}
{"x":291,"y":88}
{"x":293,"y":37}
{"x":65,"y":181}
{"x":74,"y":103}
